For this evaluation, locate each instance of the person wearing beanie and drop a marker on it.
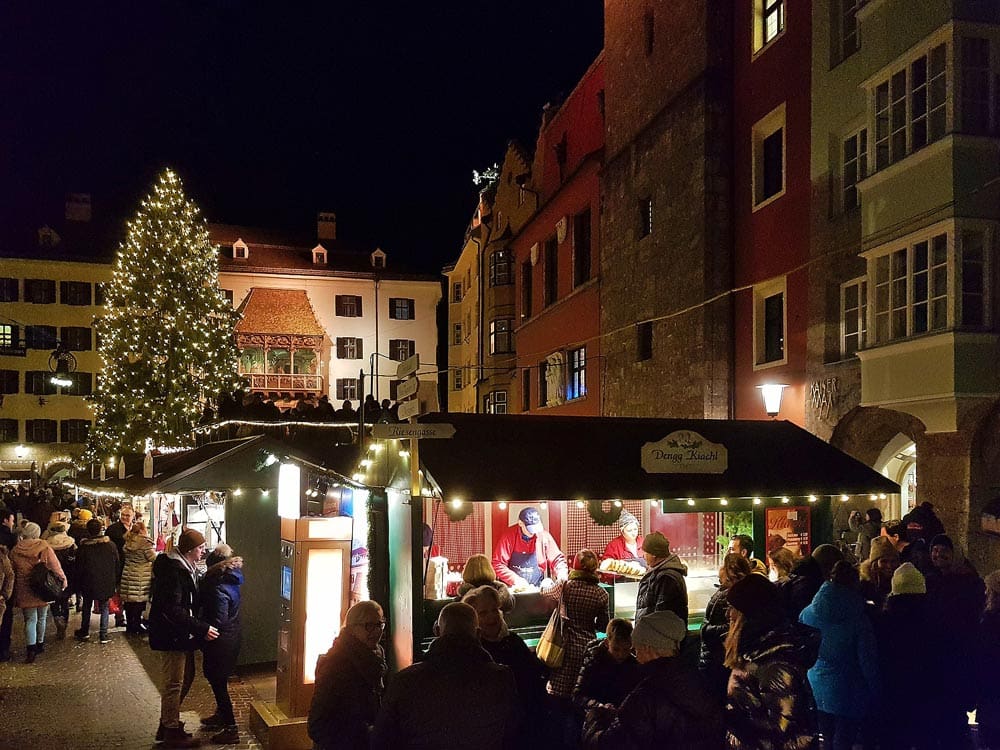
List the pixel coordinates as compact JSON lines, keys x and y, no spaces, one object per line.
{"x":176,"y":632}
{"x":988,"y":700}
{"x":670,"y":707}
{"x":78,"y":528}
{"x":769,"y":697}
{"x":65,"y":548}
{"x":908,"y":647}
{"x":628,"y":544}
{"x":663,"y":585}
{"x":876,"y":572}
{"x":97,"y":577}
{"x":28,"y":552}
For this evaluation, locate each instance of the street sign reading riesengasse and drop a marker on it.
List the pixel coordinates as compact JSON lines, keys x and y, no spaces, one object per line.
{"x":412,"y":431}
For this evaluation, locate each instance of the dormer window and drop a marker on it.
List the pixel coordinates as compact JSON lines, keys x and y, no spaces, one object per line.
{"x":378,"y":259}
{"x":240,"y":250}
{"x":319,"y":255}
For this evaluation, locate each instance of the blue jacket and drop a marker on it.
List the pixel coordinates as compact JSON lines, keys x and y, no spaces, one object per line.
{"x":845,"y":677}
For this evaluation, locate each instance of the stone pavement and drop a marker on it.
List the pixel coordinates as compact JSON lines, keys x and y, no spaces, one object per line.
{"x":80,"y":696}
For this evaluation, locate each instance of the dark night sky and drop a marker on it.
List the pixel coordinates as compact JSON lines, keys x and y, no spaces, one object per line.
{"x":379,"y":111}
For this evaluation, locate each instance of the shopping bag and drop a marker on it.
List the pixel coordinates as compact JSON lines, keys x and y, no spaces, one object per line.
{"x":114,"y":605}
{"x":550,"y":648}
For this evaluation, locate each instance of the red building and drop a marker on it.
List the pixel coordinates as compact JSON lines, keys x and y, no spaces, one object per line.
{"x":557,"y":261}
{"x":771,"y":157}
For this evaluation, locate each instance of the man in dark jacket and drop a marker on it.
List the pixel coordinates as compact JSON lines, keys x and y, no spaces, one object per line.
{"x":349,"y":682}
{"x":663,"y":586}
{"x":220,"y":607}
{"x":458,"y":697}
{"x":116,"y":533}
{"x":96,"y":577}
{"x":670,"y":707}
{"x":808,"y":574}
{"x":176,"y":632}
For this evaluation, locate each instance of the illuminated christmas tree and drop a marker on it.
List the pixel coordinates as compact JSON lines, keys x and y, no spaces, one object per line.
{"x":166,"y":338}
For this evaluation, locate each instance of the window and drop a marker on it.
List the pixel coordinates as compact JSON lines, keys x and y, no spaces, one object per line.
{"x":543,"y":383}
{"x":500,"y":268}
{"x":973,"y":279}
{"x":349,"y":347}
{"x":910,"y":107}
{"x":643,"y":341}
{"x":8,"y":290}
{"x":456,"y":291}
{"x":500,"y":336}
{"x":40,"y":337}
{"x":496,"y":402}
{"x":401,"y":308}
{"x":855,"y":167}
{"x":347,"y":389}
{"x":768,"y":22}
{"x":39,"y":383}
{"x":9,"y":381}
{"x":768,"y":138}
{"x":348,"y":306}
{"x":400,"y":349}
{"x":40,"y":430}
{"x":769,"y":323}
{"x":40,"y":291}
{"x":576,"y":386}
{"x":911,"y":289}
{"x":98,"y":294}
{"x":76,"y":339}
{"x":551,"y":271}
{"x":74,"y":292}
{"x":456,"y":334}
{"x":645,"y":217}
{"x":456,"y":379}
{"x":849,"y":40}
{"x":581,"y":248}
{"x":976,"y":85}
{"x":228,"y":295}
{"x":82,"y":384}
{"x":8,"y":335}
{"x":240,"y":250}
{"x":8,"y":431}
{"x":526,"y":290}
{"x":853,"y":316}
{"x":75,"y":430}
{"x":525,"y":390}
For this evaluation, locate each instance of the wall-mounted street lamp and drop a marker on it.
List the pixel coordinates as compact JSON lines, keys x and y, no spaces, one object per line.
{"x":771,"y":393}
{"x":61,"y":364}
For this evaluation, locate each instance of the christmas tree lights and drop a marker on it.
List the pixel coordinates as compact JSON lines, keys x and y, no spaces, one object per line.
{"x":166,"y":338}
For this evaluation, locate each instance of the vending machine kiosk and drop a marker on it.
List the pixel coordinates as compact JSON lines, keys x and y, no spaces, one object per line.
{"x":315,"y":591}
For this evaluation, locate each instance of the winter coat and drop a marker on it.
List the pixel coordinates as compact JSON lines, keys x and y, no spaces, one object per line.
{"x":506,"y":598}
{"x":78,"y":530}
{"x":663,"y":587}
{"x":584,"y":612}
{"x":604,"y":681}
{"x":867,"y":530}
{"x":529,"y":674}
{"x":456,"y":698}
{"x":65,"y":549}
{"x":845,"y":677}
{"x":138,"y":570}
{"x":955,"y":602}
{"x":219,"y":594}
{"x":769,"y":707}
{"x":25,"y":555}
{"x":7,"y":538}
{"x":349,"y":686}
{"x":712,"y":654}
{"x":797,"y":591}
{"x":117,"y":532}
{"x":670,"y":708}
{"x":172,"y":622}
{"x":6,"y":581}
{"x":97,"y":568}
{"x":988,"y":704}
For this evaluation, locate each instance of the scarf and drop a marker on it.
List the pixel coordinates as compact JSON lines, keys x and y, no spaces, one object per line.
{"x":175,"y":555}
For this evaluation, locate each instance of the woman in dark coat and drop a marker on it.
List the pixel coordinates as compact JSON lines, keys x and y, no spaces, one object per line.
{"x":219,"y":596}
{"x":716,"y":626}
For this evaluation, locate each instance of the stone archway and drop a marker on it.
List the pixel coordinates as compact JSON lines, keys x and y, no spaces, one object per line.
{"x":58,"y":469}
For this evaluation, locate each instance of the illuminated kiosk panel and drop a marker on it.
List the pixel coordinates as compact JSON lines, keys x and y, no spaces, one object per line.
{"x":324,"y":613}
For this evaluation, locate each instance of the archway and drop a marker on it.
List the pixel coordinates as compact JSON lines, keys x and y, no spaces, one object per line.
{"x":898,"y":462}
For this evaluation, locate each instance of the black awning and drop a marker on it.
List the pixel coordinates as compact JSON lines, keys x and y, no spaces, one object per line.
{"x":521,"y":457}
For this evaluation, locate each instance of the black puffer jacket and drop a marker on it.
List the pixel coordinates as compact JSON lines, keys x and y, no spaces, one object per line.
{"x":349,"y":686}
{"x":172,"y":624}
{"x":663,"y":587}
{"x":797,"y":591}
{"x":97,"y":568}
{"x":669,"y":708}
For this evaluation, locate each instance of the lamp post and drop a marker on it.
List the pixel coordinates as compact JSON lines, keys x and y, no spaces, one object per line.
{"x":771,"y":393}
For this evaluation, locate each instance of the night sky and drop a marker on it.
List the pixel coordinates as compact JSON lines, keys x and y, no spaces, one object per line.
{"x":378,"y":111}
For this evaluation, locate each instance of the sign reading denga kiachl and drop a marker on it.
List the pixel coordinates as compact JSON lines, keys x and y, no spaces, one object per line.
{"x":684,"y":452}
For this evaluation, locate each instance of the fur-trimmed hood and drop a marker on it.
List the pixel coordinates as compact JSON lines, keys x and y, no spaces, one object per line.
{"x":95,"y":540}
{"x":60,"y":541}
{"x":232,"y":564}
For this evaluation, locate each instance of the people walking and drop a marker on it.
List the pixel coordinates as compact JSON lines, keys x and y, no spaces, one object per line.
{"x":136,"y":576}
{"x":219,"y":595}
{"x":28,"y":552}
{"x":97,"y":571}
{"x":65,"y":548}
{"x":116,"y":532}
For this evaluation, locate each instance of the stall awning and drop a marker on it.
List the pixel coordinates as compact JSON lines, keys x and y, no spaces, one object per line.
{"x":511,"y":457}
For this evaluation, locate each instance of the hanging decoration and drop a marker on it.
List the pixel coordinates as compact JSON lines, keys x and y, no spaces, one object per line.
{"x":457,"y":510}
{"x":595,"y":509}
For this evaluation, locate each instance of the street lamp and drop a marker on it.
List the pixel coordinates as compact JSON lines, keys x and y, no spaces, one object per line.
{"x":62,"y":363}
{"x":771,"y":393}
{"x":20,"y":451}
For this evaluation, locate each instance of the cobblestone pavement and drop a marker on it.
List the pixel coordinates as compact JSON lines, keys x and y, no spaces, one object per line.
{"x":87,"y":695}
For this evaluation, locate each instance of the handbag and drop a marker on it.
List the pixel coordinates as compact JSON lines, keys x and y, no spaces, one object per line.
{"x":114,"y":605}
{"x":550,"y":649}
{"x":43,"y":583}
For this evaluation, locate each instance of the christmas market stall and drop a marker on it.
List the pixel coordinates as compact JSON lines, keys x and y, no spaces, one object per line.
{"x":699,"y":482}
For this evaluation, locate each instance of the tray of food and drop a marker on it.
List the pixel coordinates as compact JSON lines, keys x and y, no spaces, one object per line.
{"x":625,"y":568}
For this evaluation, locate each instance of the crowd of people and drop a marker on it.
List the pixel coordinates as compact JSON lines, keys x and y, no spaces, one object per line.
{"x":257,"y":407}
{"x":890,"y":653}
{"x":77,"y":560}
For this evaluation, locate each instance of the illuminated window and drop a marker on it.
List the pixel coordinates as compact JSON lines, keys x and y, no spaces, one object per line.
{"x":576,"y":385}
{"x":500,"y":336}
{"x":8,"y":335}
{"x":768,"y":22}
{"x":853,"y":316}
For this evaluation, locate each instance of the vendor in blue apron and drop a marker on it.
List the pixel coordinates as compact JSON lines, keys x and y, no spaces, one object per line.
{"x":527,"y":555}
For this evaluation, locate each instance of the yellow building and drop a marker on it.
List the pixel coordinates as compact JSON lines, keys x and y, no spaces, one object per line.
{"x":464,"y":335}
{"x":45,"y":303}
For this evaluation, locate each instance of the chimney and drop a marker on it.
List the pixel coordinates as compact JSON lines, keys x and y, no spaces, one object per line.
{"x":78,"y":207}
{"x":326,"y":225}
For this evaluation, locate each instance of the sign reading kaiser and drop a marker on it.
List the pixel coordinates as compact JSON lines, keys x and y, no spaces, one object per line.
{"x":684,"y":452}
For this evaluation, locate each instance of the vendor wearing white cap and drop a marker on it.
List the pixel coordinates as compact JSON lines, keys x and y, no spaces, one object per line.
{"x":526,"y":554}
{"x":628,"y":544}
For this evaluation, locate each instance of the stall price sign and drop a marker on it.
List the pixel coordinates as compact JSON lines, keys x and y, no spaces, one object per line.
{"x":408,"y":366}
{"x":413,"y":431}
{"x":409,"y":409}
{"x":407,"y":388}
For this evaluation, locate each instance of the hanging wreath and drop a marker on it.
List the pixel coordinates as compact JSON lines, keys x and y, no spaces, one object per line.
{"x":458,"y":512}
{"x":595,"y":509}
